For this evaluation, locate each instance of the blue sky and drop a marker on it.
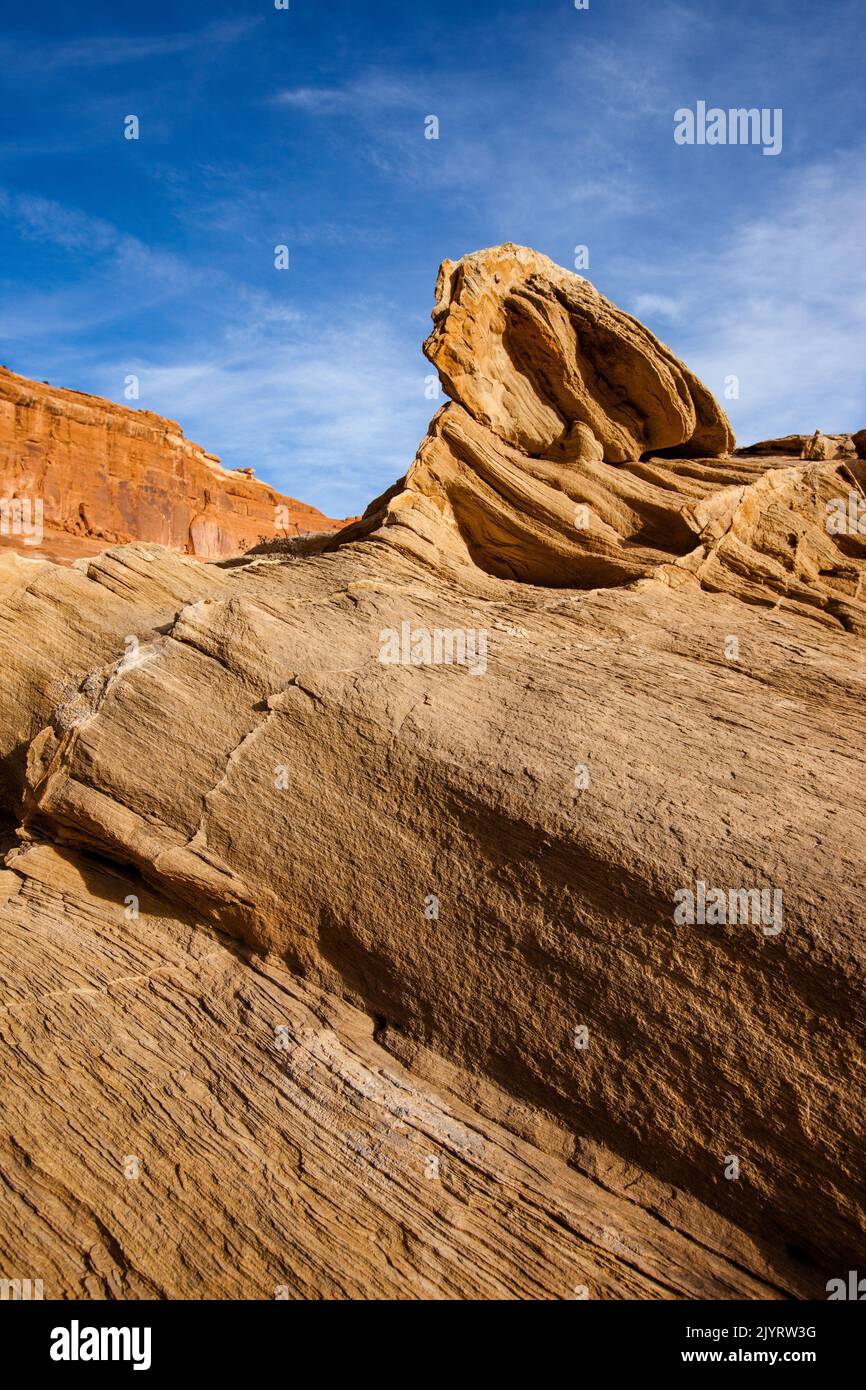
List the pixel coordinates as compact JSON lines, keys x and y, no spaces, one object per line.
{"x":305,"y":127}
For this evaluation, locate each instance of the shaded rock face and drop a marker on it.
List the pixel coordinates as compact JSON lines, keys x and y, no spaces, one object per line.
{"x":286,"y":1151}
{"x":570,"y":816}
{"x":106,"y":474}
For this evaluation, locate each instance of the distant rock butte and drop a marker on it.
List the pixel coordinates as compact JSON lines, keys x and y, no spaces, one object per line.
{"x":107,"y":474}
{"x":409,"y":1009}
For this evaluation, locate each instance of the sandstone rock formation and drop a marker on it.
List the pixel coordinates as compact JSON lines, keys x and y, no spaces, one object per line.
{"x":434,"y":802}
{"x":106,"y":474}
{"x":541,"y":358}
{"x":817,"y":446}
{"x":543,"y":467}
{"x":247,"y":1136}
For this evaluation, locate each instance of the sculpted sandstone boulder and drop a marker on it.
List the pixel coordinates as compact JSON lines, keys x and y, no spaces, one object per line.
{"x":181,"y":1119}
{"x":545,"y":467}
{"x":537,"y":355}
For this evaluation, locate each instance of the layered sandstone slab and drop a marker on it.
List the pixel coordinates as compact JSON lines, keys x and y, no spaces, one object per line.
{"x":752,"y":527}
{"x":258,"y":764}
{"x":183,"y":1119}
{"x":487,"y":856}
{"x":106,"y":474}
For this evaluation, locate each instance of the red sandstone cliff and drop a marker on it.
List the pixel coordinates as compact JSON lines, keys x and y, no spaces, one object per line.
{"x":106,"y":474}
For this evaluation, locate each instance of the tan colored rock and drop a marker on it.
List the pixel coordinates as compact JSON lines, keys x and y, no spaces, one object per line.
{"x":509,"y":481}
{"x":819,"y":447}
{"x":460,"y":771}
{"x":105,"y":474}
{"x":531,"y":350}
{"x":181,"y":1120}
{"x":752,"y":527}
{"x":310,"y":799}
{"x":816,"y":447}
{"x":60,"y":625}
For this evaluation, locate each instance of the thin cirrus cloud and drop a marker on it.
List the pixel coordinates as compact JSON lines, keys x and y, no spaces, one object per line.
{"x":664,"y":306}
{"x":20,"y":55}
{"x":327,"y":405}
{"x":43,"y":219}
{"x":331,"y":413}
{"x":95,"y":245}
{"x":372,"y":92}
{"x":780,"y":303}
{"x":319,"y":101}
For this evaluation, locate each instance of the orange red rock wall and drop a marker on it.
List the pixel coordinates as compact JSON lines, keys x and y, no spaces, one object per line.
{"x":107,"y":474}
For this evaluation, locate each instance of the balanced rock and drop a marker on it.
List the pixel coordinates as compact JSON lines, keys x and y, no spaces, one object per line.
{"x":531,"y":350}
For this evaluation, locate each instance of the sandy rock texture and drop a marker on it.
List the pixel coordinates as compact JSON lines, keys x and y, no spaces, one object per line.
{"x":195,"y":1121}
{"x":107,"y":474}
{"x":450,"y":785}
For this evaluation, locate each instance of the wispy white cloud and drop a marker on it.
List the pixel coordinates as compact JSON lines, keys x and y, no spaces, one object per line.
{"x":328,"y":405}
{"x":664,"y":306}
{"x":95,"y":239}
{"x":330,"y":411}
{"x":42,"y":219}
{"x":781,"y":304}
{"x":371,"y":91}
{"x":318,"y":100}
{"x":22,"y":54}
